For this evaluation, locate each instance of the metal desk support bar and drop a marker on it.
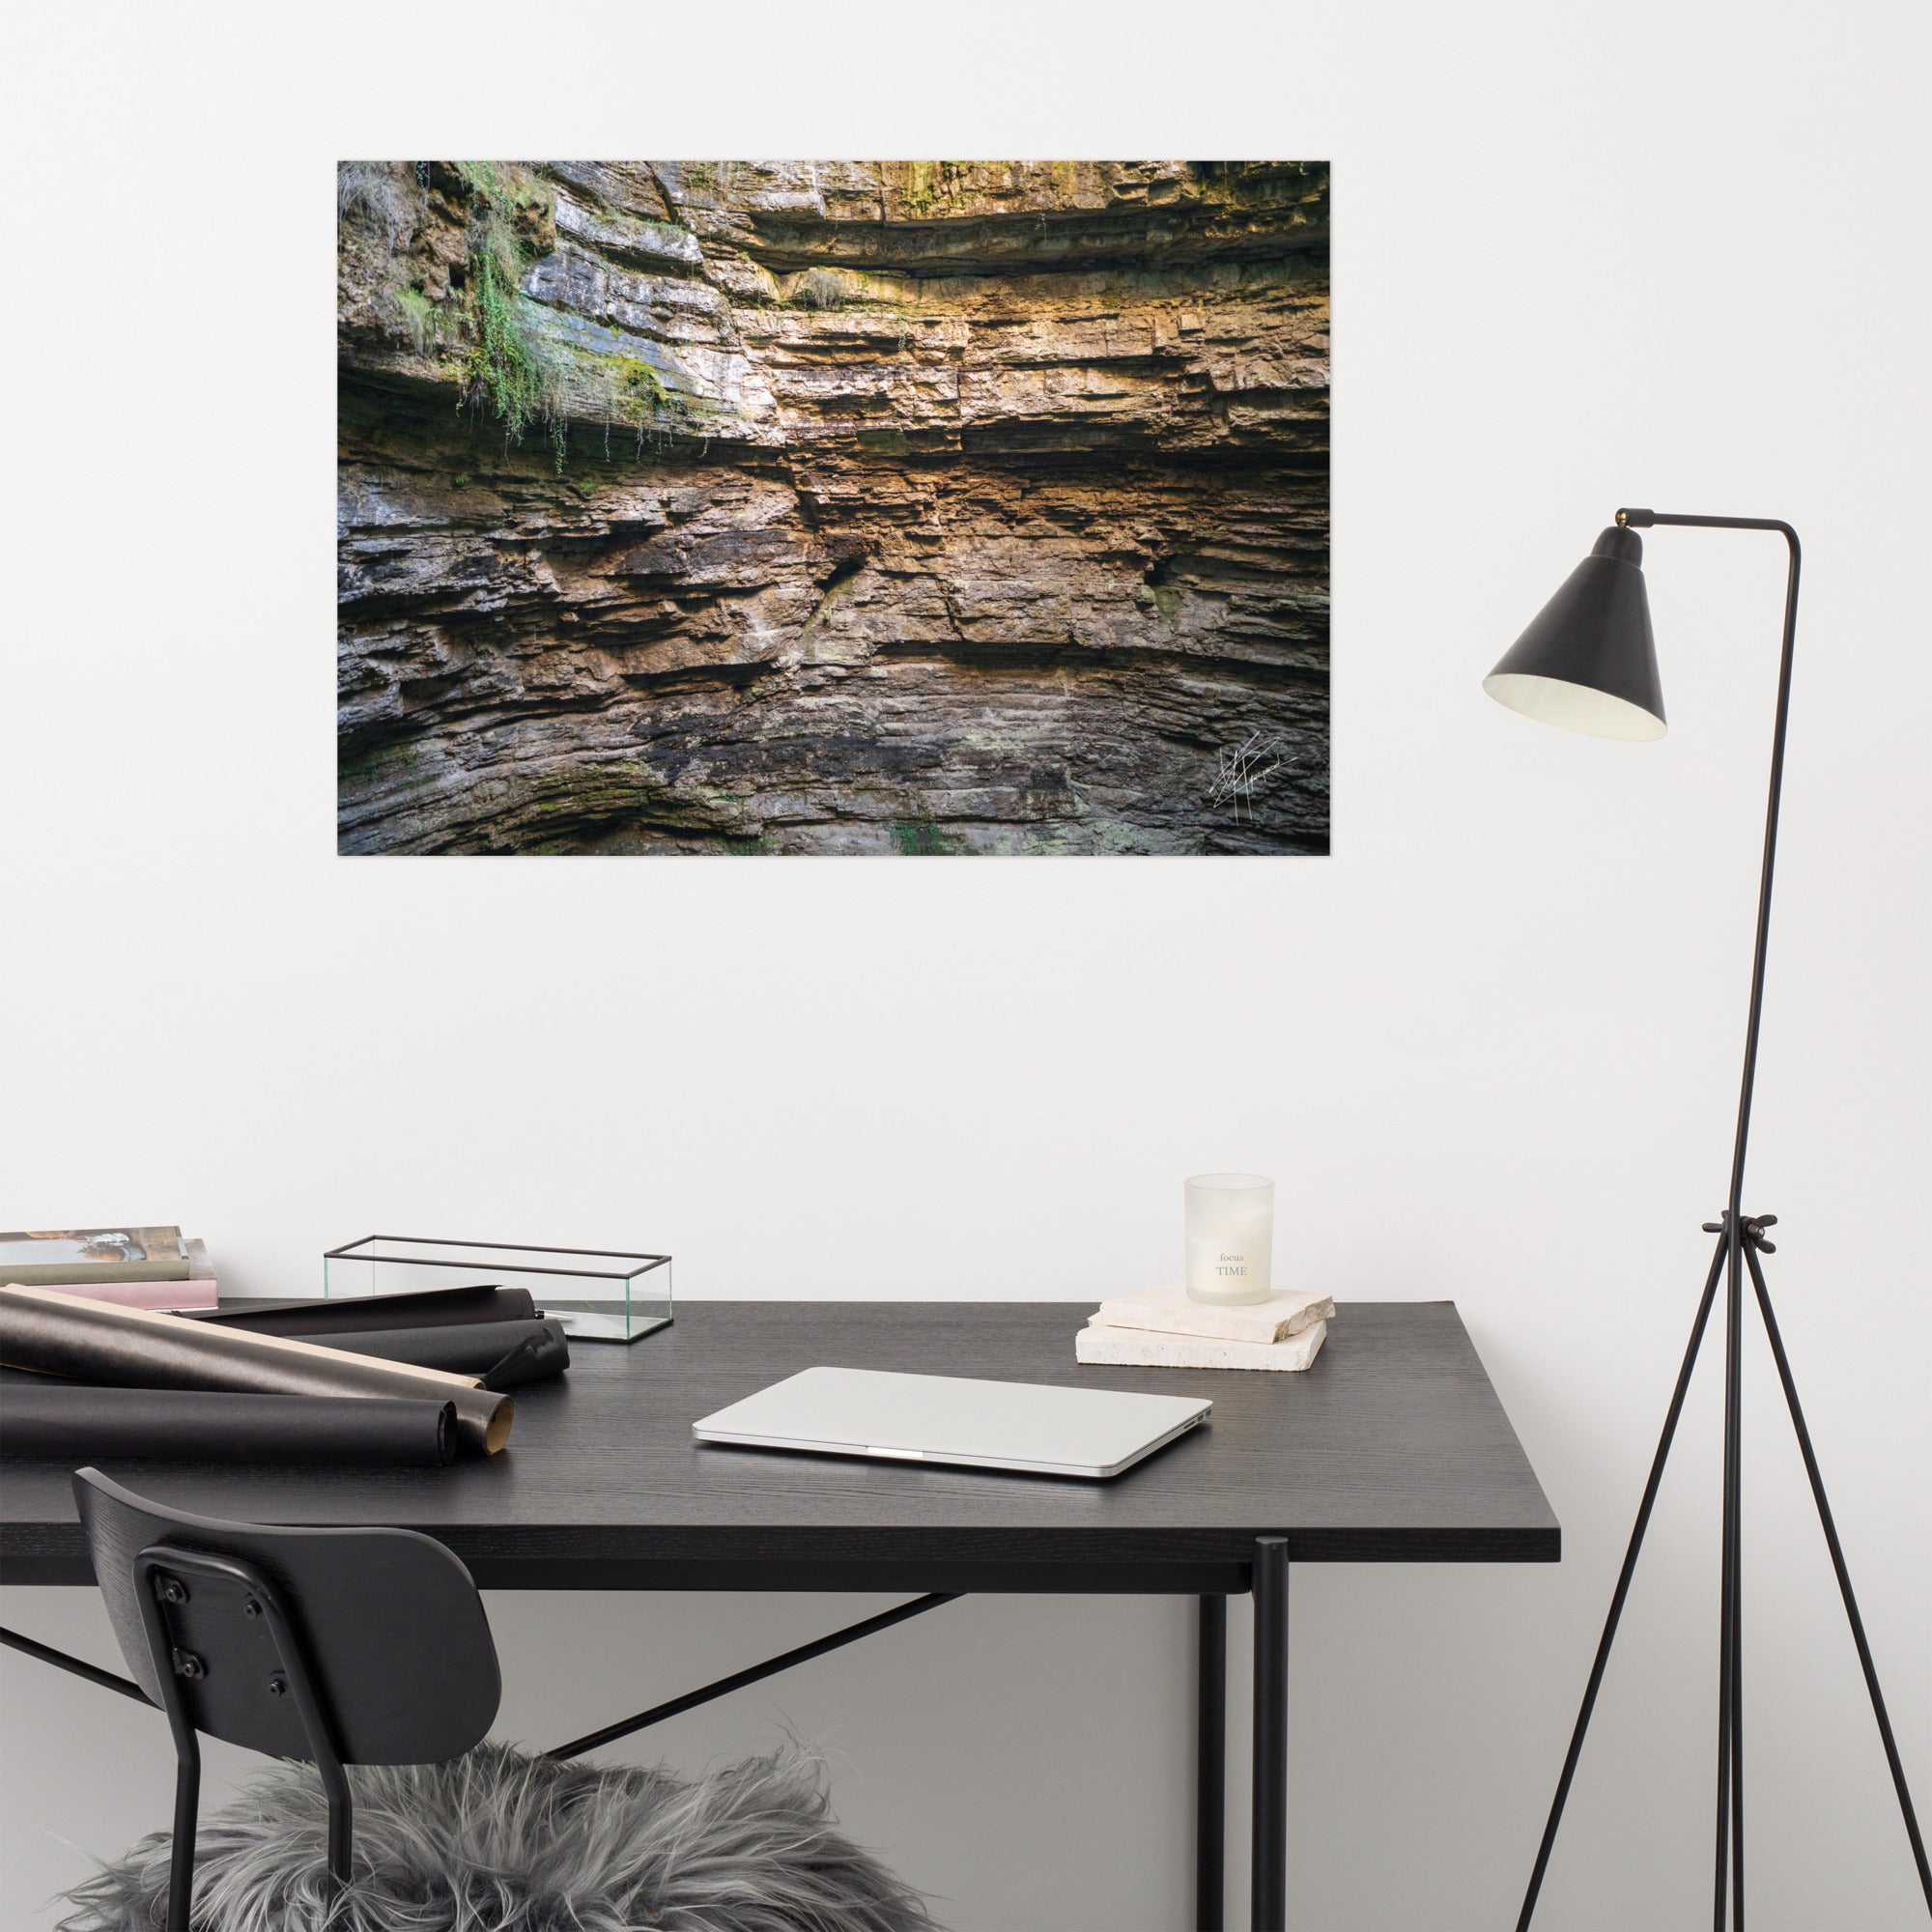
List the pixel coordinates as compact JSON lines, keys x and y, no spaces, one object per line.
{"x":738,"y":1679}
{"x":1270,"y":1743}
{"x":61,"y":1660}
{"x":804,"y":1654}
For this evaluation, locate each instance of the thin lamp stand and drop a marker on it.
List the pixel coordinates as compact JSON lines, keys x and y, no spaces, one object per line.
{"x":1741,"y":1240}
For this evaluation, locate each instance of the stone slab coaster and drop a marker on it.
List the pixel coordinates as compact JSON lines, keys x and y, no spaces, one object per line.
{"x":1168,"y":1310}
{"x":1142,"y":1347}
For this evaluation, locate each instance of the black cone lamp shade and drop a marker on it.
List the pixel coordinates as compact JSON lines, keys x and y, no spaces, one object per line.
{"x":1588,"y":662}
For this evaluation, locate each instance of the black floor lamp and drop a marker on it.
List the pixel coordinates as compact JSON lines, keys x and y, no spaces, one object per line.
{"x":1588,"y":664}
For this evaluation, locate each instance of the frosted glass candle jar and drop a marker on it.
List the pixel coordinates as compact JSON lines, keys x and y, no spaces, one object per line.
{"x":1230,"y":1236}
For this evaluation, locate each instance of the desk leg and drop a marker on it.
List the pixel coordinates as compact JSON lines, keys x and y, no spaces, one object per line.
{"x":1211,"y":1766}
{"x":1270,"y":1893}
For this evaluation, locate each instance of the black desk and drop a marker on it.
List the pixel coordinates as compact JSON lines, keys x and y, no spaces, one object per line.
{"x":1392,"y":1448}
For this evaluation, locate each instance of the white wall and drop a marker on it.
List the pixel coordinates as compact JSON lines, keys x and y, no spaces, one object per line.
{"x":1583,"y":257}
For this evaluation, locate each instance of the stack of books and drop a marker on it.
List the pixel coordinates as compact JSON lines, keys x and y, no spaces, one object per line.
{"x":1162,"y":1328}
{"x":132,"y":1267}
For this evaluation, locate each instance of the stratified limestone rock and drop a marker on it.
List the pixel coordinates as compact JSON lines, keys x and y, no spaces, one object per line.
{"x":851,"y":507}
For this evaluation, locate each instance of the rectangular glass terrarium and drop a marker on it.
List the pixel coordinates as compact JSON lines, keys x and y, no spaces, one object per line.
{"x":598,"y":1296}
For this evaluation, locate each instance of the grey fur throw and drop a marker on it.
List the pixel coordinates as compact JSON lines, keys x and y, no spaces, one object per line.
{"x":499,"y":1842}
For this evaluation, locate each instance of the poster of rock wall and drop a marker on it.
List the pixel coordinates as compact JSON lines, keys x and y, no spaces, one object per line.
{"x":899,"y":508}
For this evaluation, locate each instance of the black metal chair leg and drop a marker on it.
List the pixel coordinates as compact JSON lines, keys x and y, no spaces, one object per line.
{"x":1210,"y":1768}
{"x":151,"y":1581}
{"x":181,"y":1861}
{"x":1622,"y":1591}
{"x":1269,"y":1875}
{"x":341,"y":1836}
{"x":1844,"y":1575}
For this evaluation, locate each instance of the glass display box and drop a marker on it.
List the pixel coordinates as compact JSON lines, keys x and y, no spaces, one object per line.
{"x":599,"y":1295}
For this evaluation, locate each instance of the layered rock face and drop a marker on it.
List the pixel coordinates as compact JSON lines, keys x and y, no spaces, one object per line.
{"x":894,"y":508}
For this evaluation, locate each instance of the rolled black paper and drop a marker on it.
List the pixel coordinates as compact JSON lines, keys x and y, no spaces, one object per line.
{"x":364,"y":1314}
{"x":524,"y":1363}
{"x":71,"y":1424}
{"x":466,"y":1348}
{"x":136,"y":1348}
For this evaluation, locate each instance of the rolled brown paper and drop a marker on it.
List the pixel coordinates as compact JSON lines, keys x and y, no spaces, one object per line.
{"x":137,"y":1348}
{"x":361,"y":1314}
{"x":73,"y":1424}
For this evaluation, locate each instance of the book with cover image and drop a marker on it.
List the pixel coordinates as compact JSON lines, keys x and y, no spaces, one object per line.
{"x":62,"y":1255}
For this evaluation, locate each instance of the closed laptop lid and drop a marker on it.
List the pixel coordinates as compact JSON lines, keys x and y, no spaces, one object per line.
{"x":953,"y":1420}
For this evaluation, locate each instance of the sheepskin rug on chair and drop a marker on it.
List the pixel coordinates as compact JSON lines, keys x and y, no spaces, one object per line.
{"x":497,"y":1841}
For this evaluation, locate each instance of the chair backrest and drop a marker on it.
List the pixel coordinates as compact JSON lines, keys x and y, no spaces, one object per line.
{"x":391,"y":1631}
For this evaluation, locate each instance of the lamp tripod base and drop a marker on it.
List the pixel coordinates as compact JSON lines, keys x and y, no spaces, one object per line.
{"x":1741,"y":1240}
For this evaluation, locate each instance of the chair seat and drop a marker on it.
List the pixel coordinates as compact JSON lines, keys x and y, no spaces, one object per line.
{"x":498,"y":1841}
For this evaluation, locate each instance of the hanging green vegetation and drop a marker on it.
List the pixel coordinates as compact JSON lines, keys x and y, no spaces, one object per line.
{"x":515,"y":364}
{"x":508,"y":369}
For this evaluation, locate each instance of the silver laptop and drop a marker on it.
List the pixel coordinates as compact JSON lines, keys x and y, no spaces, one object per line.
{"x":1044,"y":1432}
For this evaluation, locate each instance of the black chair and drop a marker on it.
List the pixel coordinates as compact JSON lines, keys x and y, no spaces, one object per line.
{"x":331,"y":1646}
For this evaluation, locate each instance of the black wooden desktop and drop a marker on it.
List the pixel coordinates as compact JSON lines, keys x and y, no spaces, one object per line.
{"x":1392,"y":1447}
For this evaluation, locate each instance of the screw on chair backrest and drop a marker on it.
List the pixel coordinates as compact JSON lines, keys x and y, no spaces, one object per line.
{"x":385,"y":1624}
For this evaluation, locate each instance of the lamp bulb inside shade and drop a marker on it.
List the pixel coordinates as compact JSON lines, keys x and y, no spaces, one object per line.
{"x":1588,"y":662}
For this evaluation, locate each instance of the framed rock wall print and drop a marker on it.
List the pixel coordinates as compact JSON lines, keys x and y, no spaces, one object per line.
{"x":860,"y":507}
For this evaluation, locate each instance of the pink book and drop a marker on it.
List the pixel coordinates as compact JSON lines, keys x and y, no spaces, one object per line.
{"x":162,"y":1294}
